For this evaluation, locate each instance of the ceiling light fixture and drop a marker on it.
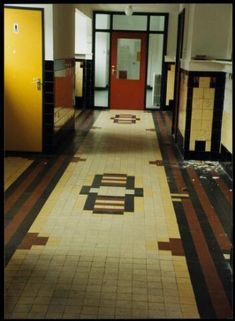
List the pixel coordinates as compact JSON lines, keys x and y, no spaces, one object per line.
{"x":129,"y":10}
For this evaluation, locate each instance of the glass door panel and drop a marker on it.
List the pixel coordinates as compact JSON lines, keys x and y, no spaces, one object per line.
{"x":101,"y":69}
{"x":128,"y":59}
{"x":154,"y":74}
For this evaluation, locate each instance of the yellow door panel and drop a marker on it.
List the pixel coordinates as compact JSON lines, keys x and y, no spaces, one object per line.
{"x":22,"y":92}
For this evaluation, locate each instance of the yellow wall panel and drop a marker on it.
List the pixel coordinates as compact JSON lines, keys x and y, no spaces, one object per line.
{"x":204,"y":82}
{"x":197,"y":103}
{"x":208,"y":104}
{"x":197,"y":93}
{"x":170,"y":84}
{"x":209,"y":93}
{"x":78,"y":80}
{"x":183,"y":102}
{"x":22,"y":66}
{"x":196,"y":114}
{"x":227,"y":130}
{"x":207,"y":114}
{"x":202,"y":113}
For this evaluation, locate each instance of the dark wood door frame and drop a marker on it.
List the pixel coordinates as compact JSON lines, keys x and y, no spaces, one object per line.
{"x":179,"y":48}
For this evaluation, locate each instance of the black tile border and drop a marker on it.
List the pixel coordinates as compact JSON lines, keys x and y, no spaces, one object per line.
{"x":48,"y":108}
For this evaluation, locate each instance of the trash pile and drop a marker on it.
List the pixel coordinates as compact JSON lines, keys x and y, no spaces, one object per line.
{"x":205,"y":167}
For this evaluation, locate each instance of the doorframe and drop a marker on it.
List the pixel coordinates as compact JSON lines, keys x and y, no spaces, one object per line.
{"x":148,"y":32}
{"x":44,"y":136}
{"x":179,"y":51}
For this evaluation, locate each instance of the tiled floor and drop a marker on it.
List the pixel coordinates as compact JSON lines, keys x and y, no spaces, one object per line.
{"x":102,"y":230}
{"x":13,"y":168}
{"x":101,"y":99}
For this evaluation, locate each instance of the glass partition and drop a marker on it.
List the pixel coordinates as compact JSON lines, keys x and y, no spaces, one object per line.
{"x":154,"y":74}
{"x":123,"y":22}
{"x":128,"y":59}
{"x":102,"y":21}
{"x":157,"y":23}
{"x":102,"y":47}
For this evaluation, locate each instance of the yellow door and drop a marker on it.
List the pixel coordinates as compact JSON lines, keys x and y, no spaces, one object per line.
{"x":23,"y":80}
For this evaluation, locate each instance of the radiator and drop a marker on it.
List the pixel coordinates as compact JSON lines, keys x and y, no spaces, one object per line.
{"x":156,"y":89}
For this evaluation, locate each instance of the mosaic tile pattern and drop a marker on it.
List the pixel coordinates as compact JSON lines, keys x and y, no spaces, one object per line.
{"x":125,"y":119}
{"x":116,"y":199}
{"x":165,"y":259}
{"x":202,"y":114}
{"x":197,"y":215}
{"x":104,"y":266}
{"x":31,"y":239}
{"x":174,"y":245}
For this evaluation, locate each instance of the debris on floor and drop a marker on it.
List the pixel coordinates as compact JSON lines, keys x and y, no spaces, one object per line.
{"x":206,"y":166}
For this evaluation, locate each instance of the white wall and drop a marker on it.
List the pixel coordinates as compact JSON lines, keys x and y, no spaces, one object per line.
{"x":172,"y":35}
{"x":85,"y":8}
{"x":212,"y":23}
{"x":188,"y":30}
{"x":64,"y":30}
{"x":101,"y":59}
{"x":48,"y":26}
{"x":83,"y":35}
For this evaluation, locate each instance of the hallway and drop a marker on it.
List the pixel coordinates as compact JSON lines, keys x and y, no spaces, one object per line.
{"x":117,"y":225}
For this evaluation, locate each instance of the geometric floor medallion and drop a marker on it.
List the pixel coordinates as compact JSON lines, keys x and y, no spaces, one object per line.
{"x":111,"y":193}
{"x":125,"y":119}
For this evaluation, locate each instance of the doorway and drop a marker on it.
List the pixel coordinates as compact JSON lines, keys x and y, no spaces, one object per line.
{"x":129,"y":59}
{"x":23,"y":77}
{"x":128,"y":70}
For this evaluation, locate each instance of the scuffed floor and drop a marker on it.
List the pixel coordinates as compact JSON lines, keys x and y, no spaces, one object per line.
{"x":117,"y":225}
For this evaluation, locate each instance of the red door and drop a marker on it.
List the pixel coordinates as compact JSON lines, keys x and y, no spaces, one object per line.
{"x":128,"y":70}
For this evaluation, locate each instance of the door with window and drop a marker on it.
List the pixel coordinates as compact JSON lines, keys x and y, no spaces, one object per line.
{"x":23,"y":57}
{"x":128,"y":70}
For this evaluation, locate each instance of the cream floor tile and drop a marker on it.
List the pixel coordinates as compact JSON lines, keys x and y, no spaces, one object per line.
{"x":13,"y":168}
{"x":108,"y":260}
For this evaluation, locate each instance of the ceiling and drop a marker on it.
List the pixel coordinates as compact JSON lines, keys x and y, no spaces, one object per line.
{"x":137,"y":7}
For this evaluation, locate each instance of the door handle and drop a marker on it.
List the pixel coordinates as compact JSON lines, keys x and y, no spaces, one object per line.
{"x":113,"y":69}
{"x":38,"y":83}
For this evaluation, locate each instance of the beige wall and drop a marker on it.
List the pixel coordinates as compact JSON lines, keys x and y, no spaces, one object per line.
{"x":212,"y":23}
{"x":85,"y":8}
{"x":227,"y":124}
{"x":183,"y":102}
{"x":64,"y":30}
{"x":172,"y":35}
